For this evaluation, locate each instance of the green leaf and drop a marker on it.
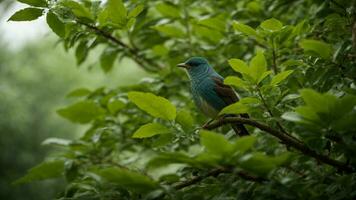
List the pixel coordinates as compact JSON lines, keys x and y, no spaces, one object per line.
{"x":80,"y":92}
{"x":79,"y":10}
{"x":292,"y":116}
{"x":149,"y":130}
{"x":235,"y":108}
{"x":154,"y":105}
{"x":81,"y":112}
{"x":262,"y":164}
{"x":27,"y":14}
{"x":168,"y":10}
{"x":280,"y":77}
{"x":318,"y":48}
{"x":43,"y":171}
{"x":258,"y":66}
{"x":244,"y":144}
{"x":318,"y":102}
{"x":116,"y":13}
{"x":185,"y":119}
{"x":56,"y":141}
{"x":218,"y":23}
{"x":272,"y":25}
{"x":239,"y":66}
{"x":115,"y":105}
{"x":263,"y":76}
{"x":245,"y":29}
{"x":235,"y":81}
{"x":130,"y":180}
{"x":36,"y":3}
{"x":136,"y":11}
{"x":107,"y":59}
{"x":215,"y":143}
{"x":81,"y":52}
{"x":56,"y":24}
{"x":170,"y":30}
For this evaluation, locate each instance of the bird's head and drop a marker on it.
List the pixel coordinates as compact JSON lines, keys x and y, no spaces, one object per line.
{"x":196,"y":66}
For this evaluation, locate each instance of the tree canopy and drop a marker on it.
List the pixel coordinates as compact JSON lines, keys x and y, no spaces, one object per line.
{"x":292,"y":63}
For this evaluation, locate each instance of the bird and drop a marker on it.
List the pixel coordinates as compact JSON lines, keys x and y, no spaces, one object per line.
{"x":209,"y":92}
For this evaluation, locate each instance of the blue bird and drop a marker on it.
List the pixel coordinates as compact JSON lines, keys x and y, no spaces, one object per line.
{"x":209,"y":92}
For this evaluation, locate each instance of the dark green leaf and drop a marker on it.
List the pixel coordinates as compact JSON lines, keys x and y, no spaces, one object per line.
{"x":56,"y":24}
{"x":27,"y":14}
{"x":107,"y":59}
{"x":36,"y":3}
{"x":43,"y":171}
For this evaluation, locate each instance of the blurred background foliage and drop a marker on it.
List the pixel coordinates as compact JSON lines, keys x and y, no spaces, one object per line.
{"x":34,"y":80}
{"x":292,"y":62}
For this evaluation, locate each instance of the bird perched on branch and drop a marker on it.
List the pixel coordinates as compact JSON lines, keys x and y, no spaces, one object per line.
{"x":209,"y":92}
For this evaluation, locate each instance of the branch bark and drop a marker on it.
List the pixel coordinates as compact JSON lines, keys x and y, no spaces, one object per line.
{"x":143,"y":62}
{"x":287,"y":139}
{"x":214,"y":173}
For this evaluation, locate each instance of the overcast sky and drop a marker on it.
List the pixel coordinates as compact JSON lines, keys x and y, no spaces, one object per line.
{"x":17,"y":34}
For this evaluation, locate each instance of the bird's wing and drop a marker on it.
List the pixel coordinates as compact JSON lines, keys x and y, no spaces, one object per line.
{"x":225,"y":92}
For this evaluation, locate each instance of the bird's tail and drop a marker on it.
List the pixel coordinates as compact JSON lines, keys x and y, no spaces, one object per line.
{"x":240,"y":129}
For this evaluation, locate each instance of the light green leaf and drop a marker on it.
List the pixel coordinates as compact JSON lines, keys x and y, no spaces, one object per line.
{"x":218,"y":23}
{"x":107,"y":59}
{"x":272,"y":25}
{"x":235,"y":81}
{"x":245,"y":29}
{"x":168,"y":10}
{"x":136,"y":11}
{"x":263,"y":76}
{"x":170,"y":30}
{"x":115,"y":105}
{"x":239,"y":66}
{"x":316,"y":47}
{"x":149,"y":130}
{"x":117,"y":12}
{"x":292,"y":62}
{"x":81,"y":112}
{"x":79,"y":10}
{"x":56,"y":24}
{"x":185,"y":119}
{"x":236,"y":108}
{"x":36,"y":3}
{"x":56,"y":141}
{"x":215,"y":143}
{"x":154,"y":105}
{"x":258,"y":66}
{"x":243,"y":144}
{"x":130,"y":180}
{"x":27,"y":14}
{"x":280,"y":77}
{"x":292,"y":116}
{"x":262,"y":164}
{"x":80,"y":92}
{"x":43,"y":171}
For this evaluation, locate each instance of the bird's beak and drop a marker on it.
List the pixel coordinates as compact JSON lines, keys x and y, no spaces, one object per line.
{"x":183,"y":65}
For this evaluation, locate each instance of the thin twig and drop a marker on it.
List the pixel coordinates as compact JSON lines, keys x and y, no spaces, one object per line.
{"x":287,"y":140}
{"x":215,"y":173}
{"x":142,"y":61}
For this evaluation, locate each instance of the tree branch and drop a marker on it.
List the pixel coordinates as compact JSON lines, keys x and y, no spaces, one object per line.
{"x":142,"y":61}
{"x":287,"y":139}
{"x":214,"y":173}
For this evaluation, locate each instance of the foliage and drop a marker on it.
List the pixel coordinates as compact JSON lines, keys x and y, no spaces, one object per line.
{"x":298,"y":88}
